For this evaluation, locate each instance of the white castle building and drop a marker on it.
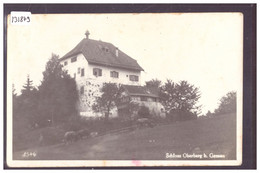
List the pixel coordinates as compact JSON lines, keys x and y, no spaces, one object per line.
{"x":93,"y":63}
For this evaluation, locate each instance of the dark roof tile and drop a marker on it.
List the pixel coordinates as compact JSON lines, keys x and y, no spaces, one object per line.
{"x":95,"y":53}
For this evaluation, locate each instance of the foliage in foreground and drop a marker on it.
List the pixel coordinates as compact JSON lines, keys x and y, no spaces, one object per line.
{"x":227,"y":104}
{"x":180,"y":100}
{"x":111,"y":95}
{"x":54,"y":101}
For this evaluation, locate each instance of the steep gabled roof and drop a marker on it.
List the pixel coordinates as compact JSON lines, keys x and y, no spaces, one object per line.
{"x":103,"y":53}
{"x":133,"y":90}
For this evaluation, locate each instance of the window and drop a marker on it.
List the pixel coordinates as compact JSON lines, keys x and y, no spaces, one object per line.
{"x":97,"y":72}
{"x":105,"y":49}
{"x":74,"y":59}
{"x":74,"y":75}
{"x":65,"y":63}
{"x":79,"y":70}
{"x":133,"y":78}
{"x":82,"y":90}
{"x":82,"y":72}
{"x":114,"y":74}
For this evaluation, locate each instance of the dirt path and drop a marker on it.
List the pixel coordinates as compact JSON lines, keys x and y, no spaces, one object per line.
{"x":104,"y":145}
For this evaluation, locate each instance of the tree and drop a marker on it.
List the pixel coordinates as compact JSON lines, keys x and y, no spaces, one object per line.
{"x":27,"y":87}
{"x":209,"y":114}
{"x":154,"y":83}
{"x":180,"y":98}
{"x":227,"y":104}
{"x":14,"y":91}
{"x":144,"y":112}
{"x":128,"y":109}
{"x":187,"y":97}
{"x":110,"y":97}
{"x":58,"y":94}
{"x":25,"y":106}
{"x":15,"y":102}
{"x":168,"y":96}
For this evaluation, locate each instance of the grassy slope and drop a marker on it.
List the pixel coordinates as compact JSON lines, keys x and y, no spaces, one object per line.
{"x":217,"y":135}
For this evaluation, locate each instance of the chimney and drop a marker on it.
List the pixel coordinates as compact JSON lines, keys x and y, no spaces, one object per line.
{"x":87,"y":34}
{"x":117,"y":52}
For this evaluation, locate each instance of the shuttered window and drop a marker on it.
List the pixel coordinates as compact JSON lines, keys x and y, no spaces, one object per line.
{"x":133,"y":78}
{"x":97,"y":72}
{"x":82,"y":72}
{"x":114,"y":74}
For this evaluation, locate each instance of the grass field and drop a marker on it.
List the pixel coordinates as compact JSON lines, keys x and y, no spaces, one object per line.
{"x":215,"y":135}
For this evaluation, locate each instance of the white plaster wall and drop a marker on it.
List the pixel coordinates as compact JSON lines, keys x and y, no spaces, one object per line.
{"x":155,"y":108}
{"x":83,"y":63}
{"x":123,"y":77}
{"x":92,"y":84}
{"x":72,"y":67}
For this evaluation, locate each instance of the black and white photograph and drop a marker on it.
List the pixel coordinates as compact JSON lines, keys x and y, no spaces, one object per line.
{"x":124,"y":89}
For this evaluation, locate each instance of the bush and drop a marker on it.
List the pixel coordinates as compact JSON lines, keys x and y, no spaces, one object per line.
{"x":37,"y":137}
{"x":180,"y":115}
{"x":227,"y":104}
{"x":144,"y":112}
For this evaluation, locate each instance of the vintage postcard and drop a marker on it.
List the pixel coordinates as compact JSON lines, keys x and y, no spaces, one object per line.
{"x":124,"y":89}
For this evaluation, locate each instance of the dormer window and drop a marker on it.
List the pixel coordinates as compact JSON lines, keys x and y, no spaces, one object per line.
{"x":74,"y":59}
{"x":105,"y":49}
{"x":97,"y":72}
{"x":133,"y":78}
{"x":114,"y":74}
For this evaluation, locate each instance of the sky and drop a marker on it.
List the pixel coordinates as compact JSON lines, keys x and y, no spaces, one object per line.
{"x":206,"y":49}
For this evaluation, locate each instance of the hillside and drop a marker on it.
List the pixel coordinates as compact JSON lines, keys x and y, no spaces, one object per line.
{"x":215,"y":135}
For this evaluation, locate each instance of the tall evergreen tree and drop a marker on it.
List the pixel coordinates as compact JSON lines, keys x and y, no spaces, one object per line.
{"x":27,"y":87}
{"x":58,"y":95}
{"x":25,"y":105}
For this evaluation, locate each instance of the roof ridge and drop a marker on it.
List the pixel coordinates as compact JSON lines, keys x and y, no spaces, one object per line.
{"x":90,"y":48}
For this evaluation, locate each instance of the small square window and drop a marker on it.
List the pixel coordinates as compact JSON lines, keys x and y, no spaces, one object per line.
{"x":65,"y":63}
{"x":74,"y":59}
{"x":82,"y":72}
{"x":133,"y":78}
{"x":97,"y":72}
{"x":114,"y":74}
